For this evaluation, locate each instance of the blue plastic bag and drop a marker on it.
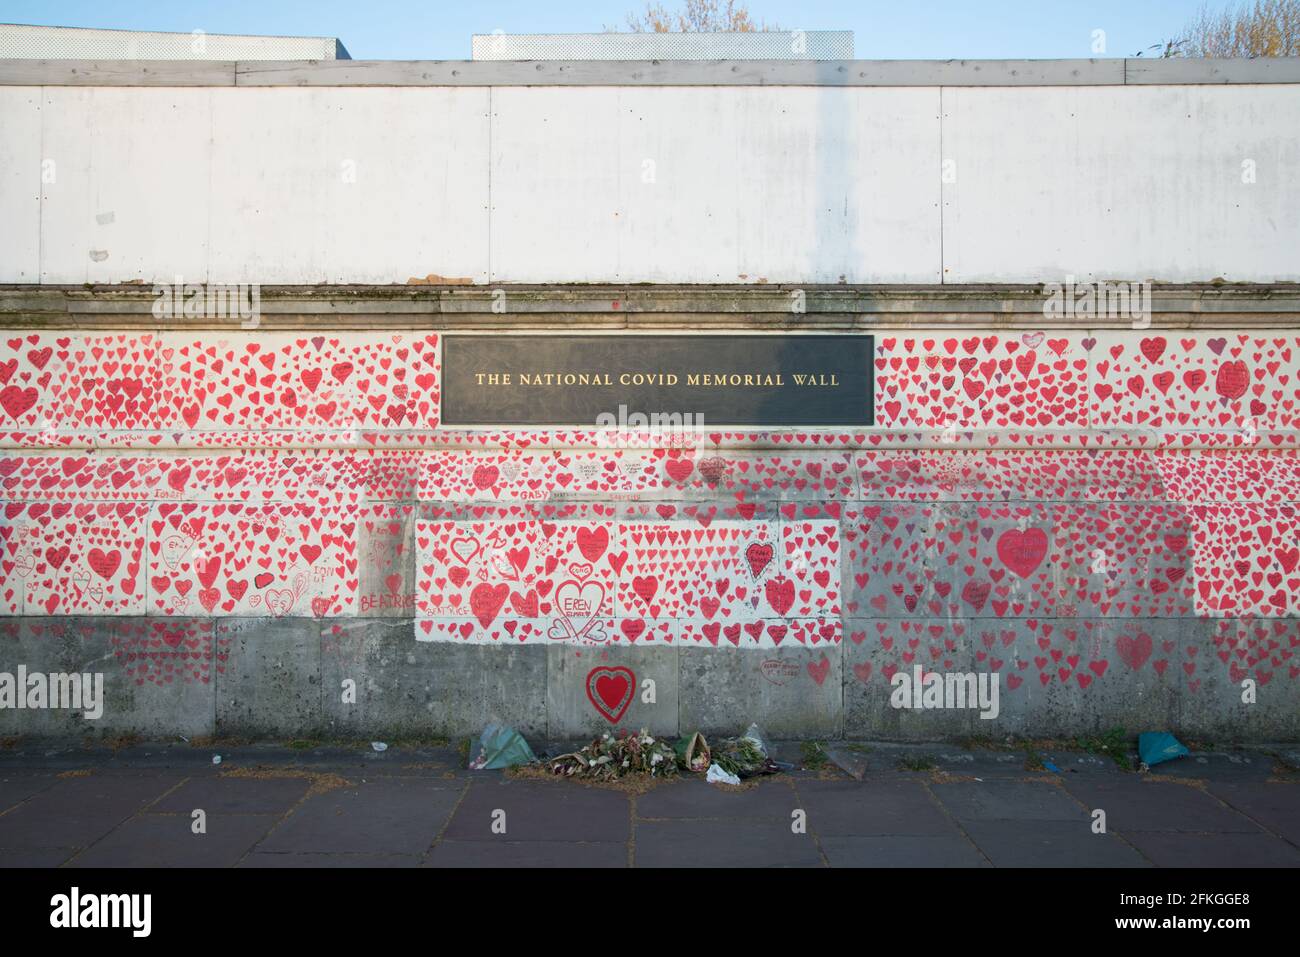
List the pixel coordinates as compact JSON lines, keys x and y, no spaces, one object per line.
{"x":501,"y":747}
{"x":1157,"y":746}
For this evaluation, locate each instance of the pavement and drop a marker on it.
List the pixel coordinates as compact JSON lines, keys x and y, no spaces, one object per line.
{"x":266,"y":806}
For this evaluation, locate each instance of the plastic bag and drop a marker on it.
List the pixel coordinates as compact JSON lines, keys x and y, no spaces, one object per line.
{"x":1157,"y":746}
{"x":718,"y":776}
{"x":501,"y":747}
{"x":754,"y":734}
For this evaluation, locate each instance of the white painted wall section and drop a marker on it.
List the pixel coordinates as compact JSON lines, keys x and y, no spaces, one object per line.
{"x":20,"y":184}
{"x":706,"y":184}
{"x":1122,"y":182}
{"x":715,"y":185}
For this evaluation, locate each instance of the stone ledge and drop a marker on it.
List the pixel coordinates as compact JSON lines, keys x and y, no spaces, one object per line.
{"x":828,"y":73}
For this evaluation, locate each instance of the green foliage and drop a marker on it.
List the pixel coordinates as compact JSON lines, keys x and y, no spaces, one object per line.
{"x":915,"y":762}
{"x":1113,"y":743}
{"x":814,"y":755}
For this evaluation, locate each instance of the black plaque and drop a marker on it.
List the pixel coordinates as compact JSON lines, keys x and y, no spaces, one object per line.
{"x":720,"y":380}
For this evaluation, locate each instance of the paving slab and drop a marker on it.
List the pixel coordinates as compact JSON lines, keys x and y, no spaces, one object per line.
{"x":384,"y":815}
{"x":166,"y":840}
{"x":260,"y":860}
{"x":1009,"y":801}
{"x":1220,"y":767}
{"x":541,"y":811}
{"x":1169,"y":849}
{"x":77,"y":811}
{"x":723,"y":844}
{"x":502,"y":853}
{"x":1274,"y":805}
{"x":771,"y":799}
{"x":1050,"y":844}
{"x":874,"y":807}
{"x":36,"y":856}
{"x":912,"y":850}
{"x":1144,"y":805}
{"x":980,"y":763}
{"x":16,"y":788}
{"x":233,"y":795}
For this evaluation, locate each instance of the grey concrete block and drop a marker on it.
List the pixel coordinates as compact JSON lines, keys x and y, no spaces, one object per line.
{"x":897,"y":561}
{"x":1070,"y":677}
{"x":410,"y":688}
{"x":590,"y":691}
{"x":876,"y":651}
{"x":271,"y":685}
{"x":1225,"y":655}
{"x":157,"y":674}
{"x":386,"y":550}
{"x":791,"y":692}
{"x":1121,"y":560}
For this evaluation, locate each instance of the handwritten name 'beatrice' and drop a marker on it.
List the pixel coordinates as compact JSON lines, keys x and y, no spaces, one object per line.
{"x":698,"y":379}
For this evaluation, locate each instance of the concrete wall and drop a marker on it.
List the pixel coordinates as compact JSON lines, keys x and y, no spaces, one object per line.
{"x":237,"y":526}
{"x":714,"y":184}
{"x":230,"y":525}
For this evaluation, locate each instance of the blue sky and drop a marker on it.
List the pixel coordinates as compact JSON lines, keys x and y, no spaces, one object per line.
{"x":884,"y":29}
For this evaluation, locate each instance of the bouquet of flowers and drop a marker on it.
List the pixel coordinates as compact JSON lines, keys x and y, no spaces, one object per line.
{"x":613,"y":756}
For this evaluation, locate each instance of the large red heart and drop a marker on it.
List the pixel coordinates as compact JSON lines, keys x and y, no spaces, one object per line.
{"x":758,"y":555}
{"x":1134,"y":651}
{"x":610,"y":690}
{"x":1022,"y":552}
{"x":486,"y":600}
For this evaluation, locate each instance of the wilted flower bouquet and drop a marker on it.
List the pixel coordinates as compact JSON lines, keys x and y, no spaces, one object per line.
{"x":612,"y":756}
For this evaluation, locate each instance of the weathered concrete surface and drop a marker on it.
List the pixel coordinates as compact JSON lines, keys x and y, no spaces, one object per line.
{"x":782,"y":689}
{"x":153,"y":686}
{"x":415,"y":689}
{"x":285,"y":678}
{"x":578,"y":678}
{"x":271,"y":686}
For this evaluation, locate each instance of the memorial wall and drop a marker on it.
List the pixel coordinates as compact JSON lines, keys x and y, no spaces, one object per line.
{"x":358,"y":410}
